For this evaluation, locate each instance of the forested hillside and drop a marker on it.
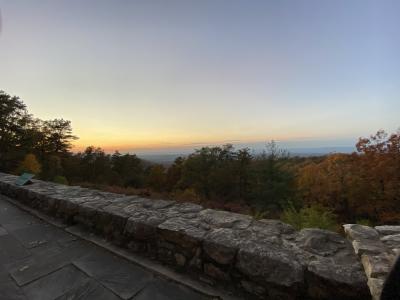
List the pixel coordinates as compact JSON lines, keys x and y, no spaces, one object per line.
{"x":361,"y":187}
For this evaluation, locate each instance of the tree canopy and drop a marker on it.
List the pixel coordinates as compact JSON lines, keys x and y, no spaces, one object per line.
{"x":356,"y":187}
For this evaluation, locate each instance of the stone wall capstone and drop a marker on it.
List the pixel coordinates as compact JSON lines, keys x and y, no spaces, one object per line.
{"x":255,"y":259}
{"x":377,"y":248}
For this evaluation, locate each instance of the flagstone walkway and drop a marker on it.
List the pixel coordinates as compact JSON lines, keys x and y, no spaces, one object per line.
{"x":41,"y":261}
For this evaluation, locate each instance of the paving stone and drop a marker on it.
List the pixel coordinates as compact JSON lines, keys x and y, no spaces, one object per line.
{"x":4,"y":276}
{"x":10,"y":291}
{"x":36,"y":266}
{"x":14,"y":222}
{"x":3,"y":231}
{"x":55,"y":284}
{"x":38,"y":234}
{"x":163,"y":290}
{"x":11,"y":249}
{"x":123,"y":278}
{"x":91,"y":290}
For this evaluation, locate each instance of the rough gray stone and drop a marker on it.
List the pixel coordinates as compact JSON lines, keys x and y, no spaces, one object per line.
{"x":360,"y":232}
{"x":325,"y":279}
{"x":388,"y":229}
{"x":222,"y":244}
{"x":278,"y":226}
{"x":252,"y":288}
{"x":224,"y":219}
{"x":322,"y":242}
{"x":368,"y":247}
{"x":180,"y":259}
{"x":267,"y":263}
{"x":376,"y":265}
{"x":392,"y":241}
{"x":377,"y":253}
{"x":215,"y":272}
{"x":181,"y":232}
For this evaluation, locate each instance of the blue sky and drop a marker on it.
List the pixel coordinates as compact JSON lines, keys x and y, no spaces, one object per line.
{"x":175,"y":74}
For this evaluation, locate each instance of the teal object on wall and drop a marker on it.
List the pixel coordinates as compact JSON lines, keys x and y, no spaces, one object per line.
{"x":24,"y":179}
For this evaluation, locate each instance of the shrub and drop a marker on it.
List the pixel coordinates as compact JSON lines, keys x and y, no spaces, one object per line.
{"x":258,"y":214}
{"x":314,"y":216}
{"x":187,"y":195}
{"x":60,"y":180}
{"x":365,"y":222}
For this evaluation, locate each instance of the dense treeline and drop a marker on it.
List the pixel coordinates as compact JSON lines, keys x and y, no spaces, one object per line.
{"x":362,"y":185}
{"x":316,"y":191}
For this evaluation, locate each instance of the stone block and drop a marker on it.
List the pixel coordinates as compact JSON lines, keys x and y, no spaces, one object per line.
{"x":325,"y":279}
{"x":267,"y":263}
{"x":392,"y":241}
{"x":221,"y":245}
{"x":215,"y":272}
{"x":375,"y":286}
{"x":368,"y":247}
{"x":376,"y":265}
{"x":184,"y":233}
{"x":388,"y":229}
{"x":360,"y":232}
{"x":225,"y":219}
{"x":322,"y":242}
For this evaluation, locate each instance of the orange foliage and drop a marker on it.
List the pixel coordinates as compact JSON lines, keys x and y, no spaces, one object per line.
{"x":360,"y":185}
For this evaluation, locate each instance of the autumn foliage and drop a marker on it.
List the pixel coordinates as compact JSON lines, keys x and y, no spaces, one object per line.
{"x":361,"y":185}
{"x":30,"y":165}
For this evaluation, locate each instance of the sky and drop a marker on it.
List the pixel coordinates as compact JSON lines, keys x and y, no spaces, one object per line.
{"x":169,"y":75}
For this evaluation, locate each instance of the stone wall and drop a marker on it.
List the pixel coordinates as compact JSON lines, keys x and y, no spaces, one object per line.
{"x":255,"y":259}
{"x":377,"y":248}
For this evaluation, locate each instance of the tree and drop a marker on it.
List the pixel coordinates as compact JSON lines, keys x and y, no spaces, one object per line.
{"x":331,"y":183}
{"x":57,"y":136}
{"x":379,"y":161}
{"x":129,"y":169}
{"x":29,"y":165}
{"x":174,"y":174}
{"x":244,"y":159}
{"x":212,"y":172}
{"x":53,"y":167}
{"x":361,"y":185}
{"x":272,"y":182}
{"x":156,"y":177}
{"x":95,"y":165}
{"x":14,"y":120}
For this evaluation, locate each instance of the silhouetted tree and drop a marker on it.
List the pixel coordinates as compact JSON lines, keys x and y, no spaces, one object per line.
{"x":272,"y":183}
{"x":14,"y":121}
{"x":129,"y":169}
